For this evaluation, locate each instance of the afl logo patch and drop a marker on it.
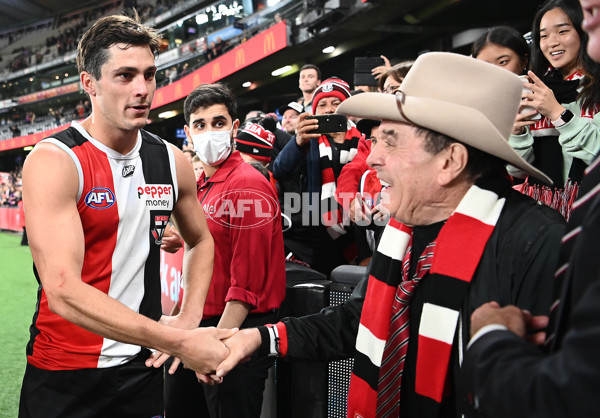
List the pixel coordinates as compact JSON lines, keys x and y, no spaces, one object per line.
{"x":100,"y":198}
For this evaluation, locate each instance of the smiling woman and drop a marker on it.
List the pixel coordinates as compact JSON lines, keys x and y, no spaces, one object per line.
{"x":566,"y":92}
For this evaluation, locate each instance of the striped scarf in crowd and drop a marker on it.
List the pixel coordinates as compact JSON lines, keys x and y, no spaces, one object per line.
{"x":456,"y":255}
{"x":548,"y":151}
{"x":332,"y":213}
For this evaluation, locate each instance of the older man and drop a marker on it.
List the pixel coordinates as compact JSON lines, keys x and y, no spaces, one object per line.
{"x":503,"y":374}
{"x":459,"y":237}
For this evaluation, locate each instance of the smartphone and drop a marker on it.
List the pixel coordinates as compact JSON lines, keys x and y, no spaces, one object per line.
{"x":362,"y":70}
{"x":329,"y":124}
{"x":528,"y":109}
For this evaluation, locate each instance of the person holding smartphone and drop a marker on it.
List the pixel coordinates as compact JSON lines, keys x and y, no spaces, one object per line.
{"x":565,"y":91}
{"x":316,"y":159}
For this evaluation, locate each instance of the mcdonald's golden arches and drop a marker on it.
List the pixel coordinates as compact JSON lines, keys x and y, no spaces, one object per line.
{"x":269,"y":42}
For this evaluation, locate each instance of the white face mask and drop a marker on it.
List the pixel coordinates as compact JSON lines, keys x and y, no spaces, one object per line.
{"x":213,"y":147}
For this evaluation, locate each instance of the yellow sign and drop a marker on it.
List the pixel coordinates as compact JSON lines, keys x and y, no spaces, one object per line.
{"x":216,"y":71}
{"x":158,"y":98}
{"x":240,"y":58}
{"x":269,"y":42}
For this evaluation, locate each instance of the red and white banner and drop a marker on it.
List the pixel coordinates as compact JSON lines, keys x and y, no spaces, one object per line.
{"x":11,"y":219}
{"x":254,"y":49}
{"x":260,"y":46}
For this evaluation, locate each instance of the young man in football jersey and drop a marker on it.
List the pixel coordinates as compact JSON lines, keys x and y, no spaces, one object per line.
{"x":98,"y":196}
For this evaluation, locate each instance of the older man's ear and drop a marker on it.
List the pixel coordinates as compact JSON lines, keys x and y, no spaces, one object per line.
{"x":453,"y":163}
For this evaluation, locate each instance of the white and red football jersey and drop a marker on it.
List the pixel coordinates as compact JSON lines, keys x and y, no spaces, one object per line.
{"x":124,"y":204}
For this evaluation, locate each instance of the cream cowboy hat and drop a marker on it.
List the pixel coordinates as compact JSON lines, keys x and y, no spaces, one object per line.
{"x":466,"y":99}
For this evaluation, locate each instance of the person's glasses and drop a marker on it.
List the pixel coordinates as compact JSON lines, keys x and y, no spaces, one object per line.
{"x":391,"y":89}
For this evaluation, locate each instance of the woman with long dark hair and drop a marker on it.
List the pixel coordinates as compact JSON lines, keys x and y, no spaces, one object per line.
{"x":566,"y":92}
{"x":503,"y":46}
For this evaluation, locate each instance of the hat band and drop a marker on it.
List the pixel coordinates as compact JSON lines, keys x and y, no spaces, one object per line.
{"x":400,"y":99}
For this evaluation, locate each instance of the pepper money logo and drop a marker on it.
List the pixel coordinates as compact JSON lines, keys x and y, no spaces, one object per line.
{"x":100,"y":198}
{"x":156,"y":196}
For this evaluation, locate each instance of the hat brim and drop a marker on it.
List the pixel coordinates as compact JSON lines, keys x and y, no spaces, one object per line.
{"x":284,"y":108}
{"x":462,"y":123}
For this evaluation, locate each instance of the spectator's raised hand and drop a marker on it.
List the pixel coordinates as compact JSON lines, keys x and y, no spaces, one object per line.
{"x":303,"y":127}
{"x":380,"y":70}
{"x":542,"y":98}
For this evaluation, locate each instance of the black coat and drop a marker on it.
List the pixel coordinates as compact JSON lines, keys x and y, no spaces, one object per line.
{"x":504,"y":376}
{"x":516,"y":268}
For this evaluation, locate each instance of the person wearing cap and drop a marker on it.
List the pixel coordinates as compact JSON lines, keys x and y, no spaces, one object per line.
{"x":255,"y":144}
{"x":289,"y":116}
{"x":248,"y":280}
{"x":459,"y":236}
{"x":316,"y":160}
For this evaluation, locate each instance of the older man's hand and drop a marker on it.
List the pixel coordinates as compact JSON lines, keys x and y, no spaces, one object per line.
{"x":241,"y":347}
{"x":202,"y":349}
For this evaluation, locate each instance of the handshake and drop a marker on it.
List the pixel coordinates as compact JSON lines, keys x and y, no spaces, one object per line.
{"x":210,"y":352}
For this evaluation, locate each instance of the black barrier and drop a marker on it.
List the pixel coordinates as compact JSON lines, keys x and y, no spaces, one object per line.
{"x":343,"y":281}
{"x":302,"y":385}
{"x":314,"y":389}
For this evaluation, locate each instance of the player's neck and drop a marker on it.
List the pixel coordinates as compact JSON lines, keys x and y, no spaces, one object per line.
{"x":120,"y":140}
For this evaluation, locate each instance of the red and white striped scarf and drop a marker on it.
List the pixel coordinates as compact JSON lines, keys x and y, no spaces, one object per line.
{"x":332,"y":213}
{"x":457,"y":252}
{"x":561,"y":195}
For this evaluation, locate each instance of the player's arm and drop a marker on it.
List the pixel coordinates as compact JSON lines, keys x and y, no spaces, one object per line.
{"x":50,"y":183}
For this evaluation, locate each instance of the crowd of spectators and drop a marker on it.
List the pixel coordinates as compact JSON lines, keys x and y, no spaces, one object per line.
{"x":65,"y":41}
{"x":10,"y":188}
{"x":66,"y":32}
{"x":27,"y":122}
{"x":329,"y":167}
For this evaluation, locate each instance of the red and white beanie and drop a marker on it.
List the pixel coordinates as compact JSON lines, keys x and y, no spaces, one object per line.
{"x":332,"y":87}
{"x":256,"y":141}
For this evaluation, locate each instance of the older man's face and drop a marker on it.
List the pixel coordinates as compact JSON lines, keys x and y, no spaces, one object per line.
{"x":411,"y":172}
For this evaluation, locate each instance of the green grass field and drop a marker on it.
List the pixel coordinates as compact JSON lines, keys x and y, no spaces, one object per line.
{"x":18,"y":289}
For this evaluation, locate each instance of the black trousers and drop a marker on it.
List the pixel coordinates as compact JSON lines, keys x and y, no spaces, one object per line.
{"x":239,"y":396}
{"x":130,"y":390}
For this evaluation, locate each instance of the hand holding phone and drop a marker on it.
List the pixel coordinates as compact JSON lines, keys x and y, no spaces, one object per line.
{"x":329,"y":123}
{"x":303,"y":128}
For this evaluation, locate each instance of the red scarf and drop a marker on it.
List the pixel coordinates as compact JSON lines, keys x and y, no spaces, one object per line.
{"x":331,"y":210}
{"x":458,"y":249}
